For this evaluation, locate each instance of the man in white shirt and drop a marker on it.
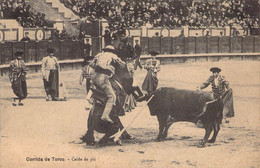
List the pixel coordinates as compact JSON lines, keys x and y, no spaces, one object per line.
{"x":104,"y":68}
{"x":50,"y":73}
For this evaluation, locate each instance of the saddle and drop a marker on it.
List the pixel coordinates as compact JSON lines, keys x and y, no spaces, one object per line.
{"x":100,"y":97}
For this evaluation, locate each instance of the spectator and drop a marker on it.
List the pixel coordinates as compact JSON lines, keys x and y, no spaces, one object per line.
{"x":26,"y":38}
{"x":137,"y":54}
{"x":87,"y":49}
{"x":124,"y":14}
{"x":64,"y":34}
{"x":107,"y":38}
{"x":207,"y":33}
{"x":19,"y":10}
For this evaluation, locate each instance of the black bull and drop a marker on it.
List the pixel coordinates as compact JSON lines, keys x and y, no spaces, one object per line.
{"x":171,"y":105}
{"x":124,"y":77}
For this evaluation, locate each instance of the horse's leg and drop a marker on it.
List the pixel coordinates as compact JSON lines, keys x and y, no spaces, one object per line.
{"x":106,"y":138}
{"x":89,"y":136}
{"x":90,"y":140}
{"x":125,"y":135}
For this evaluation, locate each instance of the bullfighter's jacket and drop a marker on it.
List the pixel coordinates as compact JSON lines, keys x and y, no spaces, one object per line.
{"x":17,"y":68}
{"x":152,"y":65}
{"x":219,"y":84}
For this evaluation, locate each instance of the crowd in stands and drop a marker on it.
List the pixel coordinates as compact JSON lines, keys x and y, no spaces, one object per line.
{"x":169,"y":13}
{"x":23,"y":13}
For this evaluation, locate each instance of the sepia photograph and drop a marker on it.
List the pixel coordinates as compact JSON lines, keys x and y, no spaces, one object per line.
{"x":130,"y":84}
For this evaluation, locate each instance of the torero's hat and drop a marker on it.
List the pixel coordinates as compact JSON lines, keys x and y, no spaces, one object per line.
{"x":109,"y":48}
{"x":153,"y":53}
{"x":50,"y":50}
{"x":215,"y":69}
{"x":18,"y":53}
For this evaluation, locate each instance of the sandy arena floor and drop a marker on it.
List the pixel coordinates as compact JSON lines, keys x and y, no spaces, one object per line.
{"x":51,"y":130}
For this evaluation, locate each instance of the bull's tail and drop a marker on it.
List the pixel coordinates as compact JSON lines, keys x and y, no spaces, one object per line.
{"x":205,"y":107}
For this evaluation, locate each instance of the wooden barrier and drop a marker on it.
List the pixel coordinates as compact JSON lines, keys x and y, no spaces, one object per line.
{"x":178,"y":45}
{"x":1,"y":62}
{"x":224,"y":44}
{"x":248,"y":44}
{"x":7,"y":52}
{"x":34,"y":51}
{"x":201,"y":45}
{"x":130,"y":40}
{"x":257,"y":44}
{"x":41,"y":47}
{"x":166,"y":45}
{"x":56,"y":44}
{"x":96,"y":47}
{"x":144,"y":45}
{"x":236,"y":44}
{"x":30,"y":52}
{"x":190,"y":46}
{"x":154,"y":44}
{"x":213,"y":44}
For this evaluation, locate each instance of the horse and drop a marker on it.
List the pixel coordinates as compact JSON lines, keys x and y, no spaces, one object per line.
{"x":122,"y":83}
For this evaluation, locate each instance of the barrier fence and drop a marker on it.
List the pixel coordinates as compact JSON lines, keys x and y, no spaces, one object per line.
{"x":34,"y":51}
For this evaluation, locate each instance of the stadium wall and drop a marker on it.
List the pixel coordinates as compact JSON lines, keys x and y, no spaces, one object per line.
{"x":171,"y":49}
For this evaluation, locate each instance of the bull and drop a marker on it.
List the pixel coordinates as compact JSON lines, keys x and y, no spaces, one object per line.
{"x":172,"y":105}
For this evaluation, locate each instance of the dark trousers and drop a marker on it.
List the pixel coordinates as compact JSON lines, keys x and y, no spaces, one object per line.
{"x":137,"y":63}
{"x":52,"y":85}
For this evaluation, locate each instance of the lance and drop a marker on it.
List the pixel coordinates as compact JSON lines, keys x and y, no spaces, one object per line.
{"x":119,"y":133}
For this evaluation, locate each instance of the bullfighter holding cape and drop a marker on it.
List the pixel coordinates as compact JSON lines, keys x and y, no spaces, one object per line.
{"x":151,"y":81}
{"x":54,"y":87}
{"x":220,"y":87}
{"x":17,"y":77}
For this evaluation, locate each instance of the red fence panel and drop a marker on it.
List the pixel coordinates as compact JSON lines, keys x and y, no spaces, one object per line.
{"x":224,"y":44}
{"x":41,"y":47}
{"x":248,"y":44}
{"x":166,"y":45}
{"x":144,"y":45}
{"x":257,"y":44}
{"x":7,"y":52}
{"x":30,"y":51}
{"x":201,"y":44}
{"x":190,"y":45}
{"x":236,"y":44}
{"x":178,"y":45}
{"x":154,"y":44}
{"x":213,"y":44}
